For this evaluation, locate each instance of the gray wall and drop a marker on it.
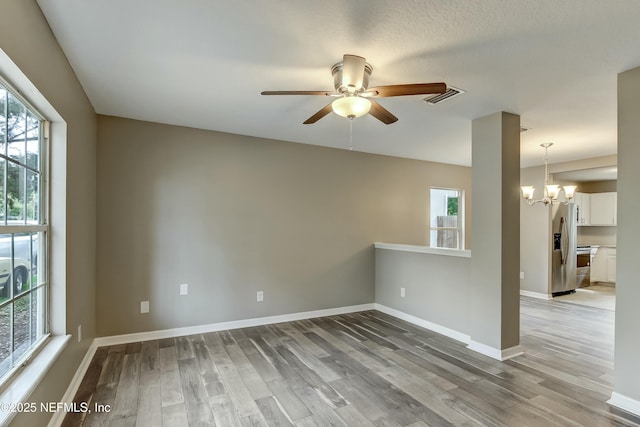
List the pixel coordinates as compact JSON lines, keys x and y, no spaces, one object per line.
{"x":232,"y":215}
{"x":535,"y":236}
{"x":436,"y":286}
{"x":26,"y":38}
{"x":627,"y":346}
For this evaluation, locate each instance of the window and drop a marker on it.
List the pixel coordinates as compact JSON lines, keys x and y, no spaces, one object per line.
{"x":446,"y":219}
{"x":23,"y":231}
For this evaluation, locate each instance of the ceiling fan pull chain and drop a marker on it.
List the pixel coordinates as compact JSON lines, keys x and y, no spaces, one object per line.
{"x":351,"y":134}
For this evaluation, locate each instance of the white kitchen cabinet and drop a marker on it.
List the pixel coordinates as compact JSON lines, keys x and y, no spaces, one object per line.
{"x":598,"y":265}
{"x":583,"y":204}
{"x":603,"y":209}
{"x":603,"y":264}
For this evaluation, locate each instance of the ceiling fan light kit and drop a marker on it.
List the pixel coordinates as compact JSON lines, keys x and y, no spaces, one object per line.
{"x":351,"y":106}
{"x":351,"y":82}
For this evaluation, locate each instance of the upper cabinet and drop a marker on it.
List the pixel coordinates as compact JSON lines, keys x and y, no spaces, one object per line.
{"x":583,"y":204}
{"x":603,"y":208}
{"x":596,"y":208}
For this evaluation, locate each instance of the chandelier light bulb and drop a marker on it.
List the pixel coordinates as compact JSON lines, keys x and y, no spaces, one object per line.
{"x":569,"y":191}
{"x":553,"y":191}
{"x":527,"y":192}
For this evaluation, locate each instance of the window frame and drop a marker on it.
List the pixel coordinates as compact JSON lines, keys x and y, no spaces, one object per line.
{"x":42,"y":226}
{"x":461,"y":218}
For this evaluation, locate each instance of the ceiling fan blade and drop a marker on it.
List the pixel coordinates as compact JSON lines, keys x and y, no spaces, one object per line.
{"x":381,"y":113}
{"x":352,"y":72}
{"x":298,"y":92}
{"x":409,"y":89}
{"x":320,"y":114}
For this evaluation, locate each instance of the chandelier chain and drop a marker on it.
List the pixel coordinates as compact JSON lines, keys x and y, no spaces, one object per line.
{"x":546,"y":169}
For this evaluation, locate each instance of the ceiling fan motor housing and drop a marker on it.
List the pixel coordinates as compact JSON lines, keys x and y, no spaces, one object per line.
{"x":338,"y":80}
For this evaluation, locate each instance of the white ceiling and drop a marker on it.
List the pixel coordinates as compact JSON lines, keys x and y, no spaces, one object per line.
{"x":203,"y":64}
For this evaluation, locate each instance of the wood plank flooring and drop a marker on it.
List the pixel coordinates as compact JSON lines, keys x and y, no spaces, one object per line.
{"x":363,"y":369}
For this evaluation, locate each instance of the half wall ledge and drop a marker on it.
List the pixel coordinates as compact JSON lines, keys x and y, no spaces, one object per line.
{"x":463,"y":253}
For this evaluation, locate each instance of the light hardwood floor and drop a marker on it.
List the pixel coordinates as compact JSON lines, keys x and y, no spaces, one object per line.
{"x":600,"y":296}
{"x":363,"y":369}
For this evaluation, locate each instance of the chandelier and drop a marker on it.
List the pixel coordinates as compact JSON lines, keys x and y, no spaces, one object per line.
{"x":551,"y":191}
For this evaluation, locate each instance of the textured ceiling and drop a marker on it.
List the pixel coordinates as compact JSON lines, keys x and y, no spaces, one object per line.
{"x":203,"y":64}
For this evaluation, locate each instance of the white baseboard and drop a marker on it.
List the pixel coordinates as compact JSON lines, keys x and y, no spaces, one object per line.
{"x":495,"y":353}
{"x":442,"y":330}
{"x":223,"y":326}
{"x":456,"y":335}
{"x":538,"y":295}
{"x":625,"y":403}
{"x":72,"y":389}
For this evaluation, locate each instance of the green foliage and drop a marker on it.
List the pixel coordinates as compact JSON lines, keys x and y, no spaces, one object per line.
{"x":19,"y":141}
{"x":452,"y":206}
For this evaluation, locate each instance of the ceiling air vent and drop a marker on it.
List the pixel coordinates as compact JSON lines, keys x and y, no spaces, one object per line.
{"x":450,"y":93}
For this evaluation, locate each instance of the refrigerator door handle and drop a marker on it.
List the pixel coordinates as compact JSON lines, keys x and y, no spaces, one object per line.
{"x":564,"y":241}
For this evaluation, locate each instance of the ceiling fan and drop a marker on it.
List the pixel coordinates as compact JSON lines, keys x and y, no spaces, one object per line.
{"x":354,"y":96}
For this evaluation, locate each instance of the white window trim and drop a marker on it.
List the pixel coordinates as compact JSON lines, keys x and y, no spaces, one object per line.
{"x":36,"y":367}
{"x":31,"y":373}
{"x":461,"y":218}
{"x":9,"y":377}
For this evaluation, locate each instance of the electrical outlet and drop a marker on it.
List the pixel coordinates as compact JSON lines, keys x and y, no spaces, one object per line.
{"x":184,"y":289}
{"x":79,"y":333}
{"x":144,"y":306}
{"x":260,"y":296}
{"x":522,"y":274}
{"x":402,"y":293}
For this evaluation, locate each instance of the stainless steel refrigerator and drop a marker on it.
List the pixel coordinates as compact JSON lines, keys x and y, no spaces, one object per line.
{"x":564,"y":233}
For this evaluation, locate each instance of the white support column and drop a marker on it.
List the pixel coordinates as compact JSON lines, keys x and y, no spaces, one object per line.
{"x":495,"y":259}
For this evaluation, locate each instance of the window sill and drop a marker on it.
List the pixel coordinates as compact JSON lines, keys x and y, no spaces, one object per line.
{"x":27,"y":380}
